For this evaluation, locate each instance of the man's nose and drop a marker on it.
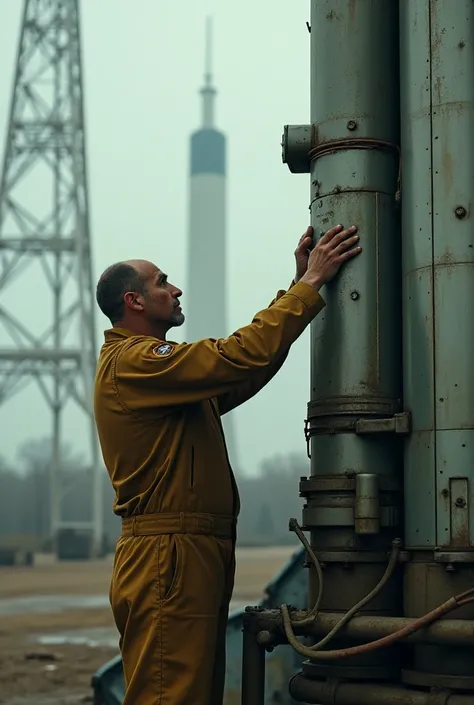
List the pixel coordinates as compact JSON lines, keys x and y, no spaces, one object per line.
{"x":177,"y":292}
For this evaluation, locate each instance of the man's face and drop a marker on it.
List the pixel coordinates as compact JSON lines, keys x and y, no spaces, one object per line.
{"x":161,"y":300}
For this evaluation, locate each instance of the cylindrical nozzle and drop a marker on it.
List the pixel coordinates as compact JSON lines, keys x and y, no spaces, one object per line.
{"x":367,"y":505}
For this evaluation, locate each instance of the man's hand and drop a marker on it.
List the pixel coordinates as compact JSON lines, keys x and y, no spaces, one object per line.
{"x":302,"y":254}
{"x":334,"y":248}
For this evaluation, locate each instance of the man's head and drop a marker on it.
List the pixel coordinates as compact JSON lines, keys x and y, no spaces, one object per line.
{"x":137,"y":295}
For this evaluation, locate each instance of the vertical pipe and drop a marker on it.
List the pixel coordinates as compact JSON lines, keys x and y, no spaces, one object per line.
{"x":437,"y":111}
{"x":355,"y":342}
{"x":253,"y":670}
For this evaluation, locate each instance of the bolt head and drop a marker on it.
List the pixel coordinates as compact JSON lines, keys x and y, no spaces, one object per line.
{"x":460,"y":212}
{"x":352,"y":125}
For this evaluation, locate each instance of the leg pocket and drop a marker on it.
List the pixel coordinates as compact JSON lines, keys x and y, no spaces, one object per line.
{"x":169,"y":565}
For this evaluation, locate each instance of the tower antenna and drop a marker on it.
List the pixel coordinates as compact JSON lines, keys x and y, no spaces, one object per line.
{"x":208,"y":92}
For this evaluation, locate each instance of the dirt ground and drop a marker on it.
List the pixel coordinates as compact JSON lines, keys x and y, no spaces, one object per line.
{"x":32,"y":674}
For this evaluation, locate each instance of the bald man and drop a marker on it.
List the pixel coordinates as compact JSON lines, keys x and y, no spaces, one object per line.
{"x":158,"y":406}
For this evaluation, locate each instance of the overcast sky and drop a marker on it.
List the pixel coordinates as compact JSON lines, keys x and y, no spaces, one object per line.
{"x":143,"y":66}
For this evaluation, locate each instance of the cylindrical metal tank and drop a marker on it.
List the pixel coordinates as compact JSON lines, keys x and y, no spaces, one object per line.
{"x":353,"y":495}
{"x":437,"y":118}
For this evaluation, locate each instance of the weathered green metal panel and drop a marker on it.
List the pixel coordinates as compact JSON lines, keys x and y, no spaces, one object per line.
{"x":356,"y":340}
{"x":346,"y":82}
{"x":437,"y":108}
{"x":418,"y":327}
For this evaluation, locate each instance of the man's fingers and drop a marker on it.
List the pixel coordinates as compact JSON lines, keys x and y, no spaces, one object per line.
{"x":350,"y":253}
{"x":337,"y":234}
{"x":329,"y":234}
{"x":305,"y":235}
{"x":343,"y":235}
{"x":346,"y":243}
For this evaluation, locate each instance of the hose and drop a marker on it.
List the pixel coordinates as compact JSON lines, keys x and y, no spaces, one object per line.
{"x":394,"y":556}
{"x":314,"y":652}
{"x":427,"y":619}
{"x":313,"y":613}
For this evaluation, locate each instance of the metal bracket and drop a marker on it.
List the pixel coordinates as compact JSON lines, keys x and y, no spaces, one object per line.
{"x":453,"y":556}
{"x":399,"y":423}
{"x":296,"y":144}
{"x":307,"y":437}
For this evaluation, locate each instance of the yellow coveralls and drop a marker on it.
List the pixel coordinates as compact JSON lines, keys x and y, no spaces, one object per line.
{"x":157,"y":409}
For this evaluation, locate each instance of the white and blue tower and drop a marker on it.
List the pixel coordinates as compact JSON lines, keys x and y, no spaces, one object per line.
{"x":206,"y":292}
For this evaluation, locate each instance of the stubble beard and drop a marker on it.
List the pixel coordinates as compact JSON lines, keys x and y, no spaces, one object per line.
{"x":177,"y":319}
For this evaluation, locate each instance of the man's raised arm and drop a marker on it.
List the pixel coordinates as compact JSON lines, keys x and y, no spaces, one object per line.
{"x":151,"y":375}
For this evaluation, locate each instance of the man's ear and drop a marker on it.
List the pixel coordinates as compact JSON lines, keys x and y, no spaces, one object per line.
{"x":133,"y":301}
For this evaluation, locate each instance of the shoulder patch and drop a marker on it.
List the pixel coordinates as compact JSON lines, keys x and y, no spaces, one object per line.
{"x":163,"y":349}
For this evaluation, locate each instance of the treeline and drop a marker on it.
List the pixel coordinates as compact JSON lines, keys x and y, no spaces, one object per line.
{"x":268,"y":499}
{"x":25,"y":497}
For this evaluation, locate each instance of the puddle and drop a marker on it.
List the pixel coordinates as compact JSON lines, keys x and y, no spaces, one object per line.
{"x":49,"y":700}
{"x":92,"y":638}
{"x":49,"y":604}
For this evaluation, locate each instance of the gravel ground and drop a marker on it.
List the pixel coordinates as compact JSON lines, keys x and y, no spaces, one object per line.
{"x":47,"y":601}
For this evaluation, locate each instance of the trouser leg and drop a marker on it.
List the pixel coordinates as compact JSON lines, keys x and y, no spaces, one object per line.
{"x":218,"y":679}
{"x":167,"y":596}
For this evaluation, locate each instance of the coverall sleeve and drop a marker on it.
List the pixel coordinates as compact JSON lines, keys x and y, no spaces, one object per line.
{"x":150,"y":374}
{"x":239,"y":395}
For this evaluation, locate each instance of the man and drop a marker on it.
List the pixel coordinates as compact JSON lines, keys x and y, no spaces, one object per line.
{"x":158,"y":406}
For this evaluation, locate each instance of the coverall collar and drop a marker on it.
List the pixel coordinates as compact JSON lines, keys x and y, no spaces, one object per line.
{"x":114,"y":334}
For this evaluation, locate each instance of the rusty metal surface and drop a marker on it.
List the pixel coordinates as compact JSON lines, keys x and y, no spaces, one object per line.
{"x":354,"y":179}
{"x":345,"y":483}
{"x":447,"y":632}
{"x":438,"y":680}
{"x":367,"y":510}
{"x":437,"y":108}
{"x":253,"y":671}
{"x":336,"y":693}
{"x":356,"y":351}
{"x":366,"y":106}
{"x":361,"y":316}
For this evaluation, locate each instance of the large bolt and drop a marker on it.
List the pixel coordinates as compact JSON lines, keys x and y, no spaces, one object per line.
{"x":352,"y":125}
{"x":460,"y":212}
{"x":354,"y":295}
{"x":264,"y":637}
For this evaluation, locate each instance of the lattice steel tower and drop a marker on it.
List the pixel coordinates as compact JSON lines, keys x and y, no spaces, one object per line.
{"x":45,"y":241}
